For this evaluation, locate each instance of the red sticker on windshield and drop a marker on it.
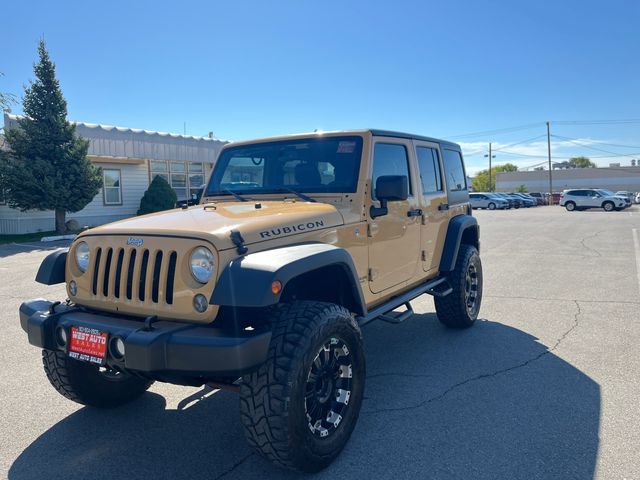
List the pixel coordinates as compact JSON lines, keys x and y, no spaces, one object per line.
{"x":346,"y":147}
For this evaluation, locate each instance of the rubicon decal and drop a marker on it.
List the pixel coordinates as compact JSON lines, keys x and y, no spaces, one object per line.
{"x":300,"y":227}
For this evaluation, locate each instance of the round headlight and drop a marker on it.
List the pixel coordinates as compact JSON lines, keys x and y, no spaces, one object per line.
{"x":82,"y":256}
{"x":202,"y":264}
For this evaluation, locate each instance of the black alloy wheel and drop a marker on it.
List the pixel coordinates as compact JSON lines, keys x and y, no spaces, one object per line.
{"x":328,"y":387}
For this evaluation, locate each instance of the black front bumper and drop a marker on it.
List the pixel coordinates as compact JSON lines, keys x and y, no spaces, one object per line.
{"x":167,"y":348}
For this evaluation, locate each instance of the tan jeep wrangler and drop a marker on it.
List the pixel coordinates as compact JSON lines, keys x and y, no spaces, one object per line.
{"x":264,"y":285}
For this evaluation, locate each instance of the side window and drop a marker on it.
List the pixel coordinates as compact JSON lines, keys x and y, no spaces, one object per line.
{"x":454,"y":169}
{"x":389,"y":159}
{"x":429,"y":170}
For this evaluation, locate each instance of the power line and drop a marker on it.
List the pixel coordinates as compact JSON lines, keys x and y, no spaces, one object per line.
{"x":518,"y":143}
{"x":471,"y":154}
{"x":620,"y":121}
{"x":523,"y":154}
{"x":498,"y":131}
{"x":616,"y":144}
{"x":597,"y":122}
{"x":611,"y":155}
{"x":577,"y":142}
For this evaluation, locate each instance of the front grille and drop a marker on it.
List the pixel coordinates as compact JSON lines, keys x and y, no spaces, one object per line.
{"x":140,"y":275}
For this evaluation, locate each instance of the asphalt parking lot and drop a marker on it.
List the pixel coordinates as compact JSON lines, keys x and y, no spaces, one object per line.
{"x":544,"y":386}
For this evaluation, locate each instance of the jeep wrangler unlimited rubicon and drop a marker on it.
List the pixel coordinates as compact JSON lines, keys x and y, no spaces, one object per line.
{"x":263,"y":287}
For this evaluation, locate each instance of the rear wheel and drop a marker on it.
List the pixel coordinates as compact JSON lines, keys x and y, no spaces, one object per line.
{"x":300,"y":407}
{"x":570,"y":206}
{"x":608,"y":206}
{"x":89,"y":384}
{"x":460,"y":308}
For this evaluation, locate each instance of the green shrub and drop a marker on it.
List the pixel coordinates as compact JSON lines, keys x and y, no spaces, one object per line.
{"x":158,"y":197}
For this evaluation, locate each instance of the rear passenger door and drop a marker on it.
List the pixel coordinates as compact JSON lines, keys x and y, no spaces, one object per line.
{"x":433,"y":198}
{"x":580,"y":197}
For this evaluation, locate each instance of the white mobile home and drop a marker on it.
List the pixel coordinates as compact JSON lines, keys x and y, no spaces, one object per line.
{"x":129,"y":159}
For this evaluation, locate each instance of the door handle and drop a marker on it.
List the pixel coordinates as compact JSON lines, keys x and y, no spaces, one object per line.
{"x":416,"y":212}
{"x":443,"y":206}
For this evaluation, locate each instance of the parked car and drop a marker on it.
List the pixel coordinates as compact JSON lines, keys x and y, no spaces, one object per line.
{"x":626,"y":199}
{"x":582,"y":199}
{"x":514,"y":202}
{"x":624,"y":194}
{"x":260,"y":291}
{"x":541,"y":198}
{"x":529,"y":197}
{"x":637,"y":198}
{"x":527,"y":201}
{"x":487,"y":200}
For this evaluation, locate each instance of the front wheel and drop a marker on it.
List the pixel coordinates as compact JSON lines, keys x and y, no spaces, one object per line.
{"x":300,"y":407}
{"x":492,"y":206}
{"x":608,"y":206}
{"x":89,"y":384}
{"x":460,"y":308}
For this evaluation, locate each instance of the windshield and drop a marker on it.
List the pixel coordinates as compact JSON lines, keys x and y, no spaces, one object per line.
{"x":312,"y":165}
{"x":607,"y":193}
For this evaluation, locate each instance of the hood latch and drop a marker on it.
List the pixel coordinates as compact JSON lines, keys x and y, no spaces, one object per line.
{"x":238,"y":241}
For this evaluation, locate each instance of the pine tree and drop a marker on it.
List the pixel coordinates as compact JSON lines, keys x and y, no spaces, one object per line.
{"x":46,"y":166}
{"x":158,"y":197}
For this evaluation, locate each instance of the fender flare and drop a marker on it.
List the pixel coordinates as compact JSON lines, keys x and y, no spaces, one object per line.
{"x":51,"y":271}
{"x":246,"y":281}
{"x":457,"y":226}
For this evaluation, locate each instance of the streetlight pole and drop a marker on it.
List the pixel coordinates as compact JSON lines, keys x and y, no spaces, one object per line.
{"x":550,"y":166}
{"x":490,"y":157}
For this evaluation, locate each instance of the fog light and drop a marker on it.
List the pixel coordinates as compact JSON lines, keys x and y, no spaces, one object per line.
{"x":73,"y":288}
{"x":200,"y":303}
{"x":61,"y":336}
{"x":117,"y":347}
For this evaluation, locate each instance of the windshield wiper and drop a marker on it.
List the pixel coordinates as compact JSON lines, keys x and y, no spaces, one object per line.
{"x":236,"y":195}
{"x":304,"y":197}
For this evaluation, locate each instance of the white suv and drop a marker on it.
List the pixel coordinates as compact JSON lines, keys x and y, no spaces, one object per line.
{"x":584,"y":198}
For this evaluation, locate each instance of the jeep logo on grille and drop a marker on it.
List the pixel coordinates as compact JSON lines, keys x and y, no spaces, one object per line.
{"x":135,"y":241}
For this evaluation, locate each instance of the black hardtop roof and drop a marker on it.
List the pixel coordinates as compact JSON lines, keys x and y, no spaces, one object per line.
{"x":391,"y":133}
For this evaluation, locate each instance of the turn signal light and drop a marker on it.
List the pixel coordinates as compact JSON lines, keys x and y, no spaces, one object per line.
{"x":276,"y":287}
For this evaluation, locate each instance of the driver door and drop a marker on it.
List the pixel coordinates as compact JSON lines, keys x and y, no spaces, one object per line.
{"x":394,"y":238}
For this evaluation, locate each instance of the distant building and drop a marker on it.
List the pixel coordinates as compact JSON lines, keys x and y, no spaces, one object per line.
{"x":130,"y":159}
{"x":612,"y":178}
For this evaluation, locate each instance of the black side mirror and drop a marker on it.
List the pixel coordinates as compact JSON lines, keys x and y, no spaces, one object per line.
{"x":389,"y":188}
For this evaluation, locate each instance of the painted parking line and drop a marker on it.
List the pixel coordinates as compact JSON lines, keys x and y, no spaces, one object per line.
{"x":636,"y":244}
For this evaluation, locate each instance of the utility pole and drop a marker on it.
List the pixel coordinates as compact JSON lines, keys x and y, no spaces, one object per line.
{"x":550,"y":167}
{"x":490,"y":157}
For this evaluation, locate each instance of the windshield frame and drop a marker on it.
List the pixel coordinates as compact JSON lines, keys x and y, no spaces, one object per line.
{"x":216,"y":188}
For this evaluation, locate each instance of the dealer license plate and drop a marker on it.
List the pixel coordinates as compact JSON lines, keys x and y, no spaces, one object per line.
{"x":88,"y":345}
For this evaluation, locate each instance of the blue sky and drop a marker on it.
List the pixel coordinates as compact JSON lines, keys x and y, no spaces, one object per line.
{"x":248,"y":69}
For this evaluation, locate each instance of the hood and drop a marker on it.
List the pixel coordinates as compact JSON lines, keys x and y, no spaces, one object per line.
{"x":256,"y":221}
